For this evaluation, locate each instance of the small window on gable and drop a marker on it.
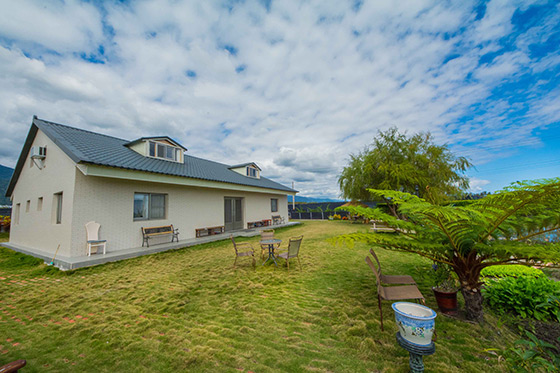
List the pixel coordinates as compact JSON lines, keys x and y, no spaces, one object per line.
{"x":251,"y":171}
{"x":16,"y":213}
{"x":164,"y":151}
{"x":57,"y":208}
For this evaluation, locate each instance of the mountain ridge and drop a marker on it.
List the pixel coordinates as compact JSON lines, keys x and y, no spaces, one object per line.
{"x":5,"y":176}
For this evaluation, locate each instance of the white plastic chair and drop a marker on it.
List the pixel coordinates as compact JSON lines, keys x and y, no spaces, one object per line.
{"x":92,"y":231}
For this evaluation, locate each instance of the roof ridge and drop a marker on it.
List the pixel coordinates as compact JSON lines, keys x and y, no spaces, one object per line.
{"x":81,"y":129}
{"x":207,"y":160}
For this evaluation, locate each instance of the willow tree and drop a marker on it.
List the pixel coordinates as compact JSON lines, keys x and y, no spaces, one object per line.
{"x":406,"y":164}
{"x":503,"y":228}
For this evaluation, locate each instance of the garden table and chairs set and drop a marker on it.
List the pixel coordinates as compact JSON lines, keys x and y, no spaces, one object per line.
{"x":270,"y":249}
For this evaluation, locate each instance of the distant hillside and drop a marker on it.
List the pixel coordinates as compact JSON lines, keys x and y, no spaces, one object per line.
{"x":5,"y":175}
{"x":309,"y":199}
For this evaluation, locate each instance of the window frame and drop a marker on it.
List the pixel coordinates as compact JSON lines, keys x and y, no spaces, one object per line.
{"x":17,"y":212}
{"x":273,"y":208}
{"x":148,"y":208}
{"x":155,"y":147}
{"x":58,"y":207}
{"x":252,"y":170}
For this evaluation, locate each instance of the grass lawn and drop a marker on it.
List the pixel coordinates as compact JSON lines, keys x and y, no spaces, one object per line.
{"x":189,"y":309}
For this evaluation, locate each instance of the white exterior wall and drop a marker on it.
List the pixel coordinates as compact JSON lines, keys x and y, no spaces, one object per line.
{"x":110,"y":202}
{"x":36,"y":229}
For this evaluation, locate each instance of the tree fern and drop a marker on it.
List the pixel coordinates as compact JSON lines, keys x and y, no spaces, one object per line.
{"x":502,"y":228}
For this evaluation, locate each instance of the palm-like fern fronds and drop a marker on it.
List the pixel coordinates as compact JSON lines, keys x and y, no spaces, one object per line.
{"x":501,"y":228}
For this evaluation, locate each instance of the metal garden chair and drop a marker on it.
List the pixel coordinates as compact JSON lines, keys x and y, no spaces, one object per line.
{"x":267,"y":234}
{"x":393,"y":292}
{"x":293,"y":251}
{"x":239,"y":250}
{"x":392,"y":279}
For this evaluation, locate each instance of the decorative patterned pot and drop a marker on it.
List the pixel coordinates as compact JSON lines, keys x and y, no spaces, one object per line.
{"x":416,"y":322}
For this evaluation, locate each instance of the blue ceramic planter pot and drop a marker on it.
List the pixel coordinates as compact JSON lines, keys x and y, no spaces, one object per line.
{"x":416,"y":322}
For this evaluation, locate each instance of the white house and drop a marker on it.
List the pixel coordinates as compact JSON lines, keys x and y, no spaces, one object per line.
{"x":66,"y":177}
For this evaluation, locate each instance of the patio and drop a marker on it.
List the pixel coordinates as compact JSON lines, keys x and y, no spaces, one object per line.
{"x":66,"y":263}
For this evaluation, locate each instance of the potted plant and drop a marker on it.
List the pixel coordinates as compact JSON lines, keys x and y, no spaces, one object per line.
{"x":445,"y":288}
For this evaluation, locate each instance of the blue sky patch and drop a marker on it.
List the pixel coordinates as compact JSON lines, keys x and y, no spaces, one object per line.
{"x":231,"y":49}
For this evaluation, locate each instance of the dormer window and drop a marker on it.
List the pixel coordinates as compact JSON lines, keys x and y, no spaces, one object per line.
{"x":252,"y":172}
{"x":247,"y":169}
{"x":159,"y":150}
{"x":161,"y":147}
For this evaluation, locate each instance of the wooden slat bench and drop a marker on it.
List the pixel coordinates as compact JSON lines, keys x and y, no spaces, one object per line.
{"x":381,"y":226}
{"x":209,"y":231}
{"x":277,"y":219}
{"x":260,"y":223}
{"x":150,"y":232}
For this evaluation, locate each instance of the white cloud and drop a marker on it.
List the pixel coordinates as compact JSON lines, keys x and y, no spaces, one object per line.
{"x":477,"y":185}
{"x":295,"y":88}
{"x":68,"y":26}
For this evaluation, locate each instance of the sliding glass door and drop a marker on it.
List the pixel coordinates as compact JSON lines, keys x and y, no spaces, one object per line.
{"x":233,"y":212}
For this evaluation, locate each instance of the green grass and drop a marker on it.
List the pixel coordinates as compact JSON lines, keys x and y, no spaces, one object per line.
{"x":190,"y":310}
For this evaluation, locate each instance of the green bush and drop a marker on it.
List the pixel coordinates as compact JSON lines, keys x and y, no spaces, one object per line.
{"x":514,"y":270}
{"x":532,"y":355}
{"x":537,"y":298}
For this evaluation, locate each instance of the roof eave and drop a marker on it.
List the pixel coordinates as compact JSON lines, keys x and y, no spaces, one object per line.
{"x":22,"y":156}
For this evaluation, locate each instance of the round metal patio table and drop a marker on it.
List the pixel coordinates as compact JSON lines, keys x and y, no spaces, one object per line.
{"x":271,"y":244}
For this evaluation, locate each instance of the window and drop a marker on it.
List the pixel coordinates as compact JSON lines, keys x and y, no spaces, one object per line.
{"x":27,"y":205}
{"x":16,"y":213}
{"x":252,"y":172}
{"x":40,"y":204}
{"x":274,"y":205}
{"x":57,"y":208}
{"x":148,"y":206}
{"x":159,"y":150}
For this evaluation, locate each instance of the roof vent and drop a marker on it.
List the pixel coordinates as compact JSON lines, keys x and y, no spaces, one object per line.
{"x":38,"y":152}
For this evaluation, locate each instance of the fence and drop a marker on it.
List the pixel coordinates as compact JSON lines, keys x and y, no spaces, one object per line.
{"x":315,"y":215}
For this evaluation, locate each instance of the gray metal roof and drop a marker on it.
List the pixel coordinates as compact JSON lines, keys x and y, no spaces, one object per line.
{"x":245,"y":165}
{"x":93,"y":148}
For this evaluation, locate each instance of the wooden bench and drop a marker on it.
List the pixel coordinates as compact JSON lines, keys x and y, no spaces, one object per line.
{"x":381,"y":226}
{"x":150,"y":232}
{"x":209,"y":231}
{"x":277,"y":219}
{"x":260,"y":223}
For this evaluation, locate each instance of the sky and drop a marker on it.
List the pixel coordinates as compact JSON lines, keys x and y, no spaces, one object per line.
{"x":294,"y":86}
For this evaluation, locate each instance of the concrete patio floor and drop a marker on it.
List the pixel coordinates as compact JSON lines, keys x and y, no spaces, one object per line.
{"x":66,"y":263}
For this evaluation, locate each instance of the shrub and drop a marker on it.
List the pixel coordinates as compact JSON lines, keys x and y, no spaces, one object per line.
{"x":537,"y":298}
{"x":515,"y":270}
{"x":530,"y":355}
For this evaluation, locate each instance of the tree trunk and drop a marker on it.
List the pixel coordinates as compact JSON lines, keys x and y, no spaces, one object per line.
{"x":473,"y":304}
